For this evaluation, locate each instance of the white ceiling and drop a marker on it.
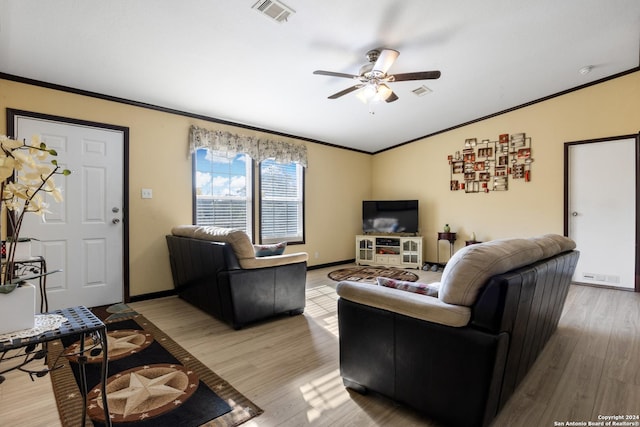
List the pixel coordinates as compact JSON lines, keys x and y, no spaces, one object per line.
{"x":223,"y":60}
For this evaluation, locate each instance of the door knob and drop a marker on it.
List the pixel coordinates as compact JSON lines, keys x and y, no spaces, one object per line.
{"x":574,"y":213}
{"x":115,"y":210}
{"x":115,"y":220}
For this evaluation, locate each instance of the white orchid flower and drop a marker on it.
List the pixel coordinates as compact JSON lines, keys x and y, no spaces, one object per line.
{"x":33,"y":180}
{"x":7,"y":166}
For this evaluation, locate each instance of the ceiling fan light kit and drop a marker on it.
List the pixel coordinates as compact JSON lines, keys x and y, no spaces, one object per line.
{"x":373,"y":78}
{"x":372,"y":94}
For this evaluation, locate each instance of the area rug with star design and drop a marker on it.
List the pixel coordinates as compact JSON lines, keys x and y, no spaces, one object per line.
{"x":152,"y":381}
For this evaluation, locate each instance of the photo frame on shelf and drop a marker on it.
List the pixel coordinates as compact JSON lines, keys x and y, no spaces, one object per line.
{"x":501,"y":171}
{"x":485,"y":152}
{"x":457,"y":167}
{"x":500,"y":183}
{"x":472,"y":187}
{"x":517,"y":142}
{"x":518,"y":171}
{"x":470,"y":142}
{"x":469,"y":155}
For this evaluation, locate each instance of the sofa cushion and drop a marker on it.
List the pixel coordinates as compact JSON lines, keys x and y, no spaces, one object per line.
{"x":565,"y":243}
{"x":238,"y":239}
{"x":274,"y":260}
{"x":470,"y":267}
{"x":270,"y":250}
{"x":240,"y":243}
{"x":430,"y":289}
{"x":418,"y":306}
{"x":553,"y":244}
{"x":547,"y":244}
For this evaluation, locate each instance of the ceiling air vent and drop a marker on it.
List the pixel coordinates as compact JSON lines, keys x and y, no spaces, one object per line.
{"x":273,"y":9}
{"x":421,"y":91}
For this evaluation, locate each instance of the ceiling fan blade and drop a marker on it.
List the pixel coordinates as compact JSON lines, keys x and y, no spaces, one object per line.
{"x":392,"y":97}
{"x":420,"y":75}
{"x":385,"y":60}
{"x":386,"y":93}
{"x":344,"y":92}
{"x":334,"y":74}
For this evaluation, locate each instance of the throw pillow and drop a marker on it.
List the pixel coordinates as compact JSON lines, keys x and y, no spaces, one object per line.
{"x":430,"y":289}
{"x":270,"y":250}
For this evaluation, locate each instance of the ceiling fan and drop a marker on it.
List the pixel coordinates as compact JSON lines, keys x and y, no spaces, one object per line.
{"x":373,"y":77}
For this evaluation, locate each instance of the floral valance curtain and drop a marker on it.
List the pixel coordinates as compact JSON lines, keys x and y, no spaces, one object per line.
{"x":229,"y":144}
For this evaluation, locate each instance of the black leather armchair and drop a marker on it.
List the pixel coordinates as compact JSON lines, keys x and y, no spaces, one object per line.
{"x":208,"y":272}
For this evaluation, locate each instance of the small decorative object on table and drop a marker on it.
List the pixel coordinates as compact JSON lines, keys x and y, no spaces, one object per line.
{"x":22,"y":180}
{"x":447,"y":229}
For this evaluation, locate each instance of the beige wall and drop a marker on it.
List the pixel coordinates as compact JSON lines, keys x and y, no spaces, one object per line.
{"x":337,"y":180}
{"x":608,"y":109}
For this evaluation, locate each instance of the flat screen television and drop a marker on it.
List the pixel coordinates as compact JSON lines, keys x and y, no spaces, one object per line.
{"x":390,"y":216}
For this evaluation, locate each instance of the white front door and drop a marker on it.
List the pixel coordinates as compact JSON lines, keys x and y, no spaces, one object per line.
{"x":602,"y":210}
{"x":83,"y":235}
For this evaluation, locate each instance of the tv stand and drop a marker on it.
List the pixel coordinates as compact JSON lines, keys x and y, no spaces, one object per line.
{"x":389,"y":250}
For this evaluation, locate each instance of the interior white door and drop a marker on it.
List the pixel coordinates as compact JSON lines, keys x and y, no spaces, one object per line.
{"x":83,"y":235}
{"x":602,"y":211}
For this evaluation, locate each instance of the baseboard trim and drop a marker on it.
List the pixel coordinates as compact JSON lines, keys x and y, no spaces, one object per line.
{"x":172,"y":292}
{"x":597,"y":285}
{"x":331,"y":264}
{"x":154,"y":295}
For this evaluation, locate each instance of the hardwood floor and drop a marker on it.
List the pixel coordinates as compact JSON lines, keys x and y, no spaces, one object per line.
{"x":289,"y":367}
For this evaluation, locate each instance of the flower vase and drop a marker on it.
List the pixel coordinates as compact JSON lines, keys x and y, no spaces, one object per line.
{"x":18,"y":309}
{"x":23,"y":249}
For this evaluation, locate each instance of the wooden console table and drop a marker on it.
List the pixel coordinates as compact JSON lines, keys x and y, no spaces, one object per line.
{"x":80,"y":321}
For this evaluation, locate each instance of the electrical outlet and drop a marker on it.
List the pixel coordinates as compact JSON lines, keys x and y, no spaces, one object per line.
{"x":147,"y":193}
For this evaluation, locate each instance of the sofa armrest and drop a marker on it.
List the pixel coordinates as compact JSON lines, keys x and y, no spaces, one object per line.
{"x":410,"y":304}
{"x":273,"y":261}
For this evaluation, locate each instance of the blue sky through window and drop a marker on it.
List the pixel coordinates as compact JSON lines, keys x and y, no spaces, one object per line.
{"x":219,"y":176}
{"x":223,"y":188}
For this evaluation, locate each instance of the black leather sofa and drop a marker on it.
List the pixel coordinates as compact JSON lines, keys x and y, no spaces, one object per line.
{"x":215,"y":269}
{"x":458,"y":361}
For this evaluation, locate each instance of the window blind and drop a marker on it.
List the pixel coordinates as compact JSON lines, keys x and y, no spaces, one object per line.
{"x":281,"y":202}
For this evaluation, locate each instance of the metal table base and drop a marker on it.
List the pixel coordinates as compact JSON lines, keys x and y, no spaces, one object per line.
{"x":80,"y":321}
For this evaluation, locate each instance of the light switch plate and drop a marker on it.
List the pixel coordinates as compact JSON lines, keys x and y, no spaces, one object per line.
{"x":147,"y":193}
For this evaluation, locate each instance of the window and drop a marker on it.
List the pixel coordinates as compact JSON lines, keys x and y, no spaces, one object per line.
{"x":223,"y":196}
{"x":223,"y":190}
{"x":281,"y":202}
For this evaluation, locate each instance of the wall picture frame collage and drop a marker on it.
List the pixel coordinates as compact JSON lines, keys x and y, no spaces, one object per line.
{"x":481,"y":167}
